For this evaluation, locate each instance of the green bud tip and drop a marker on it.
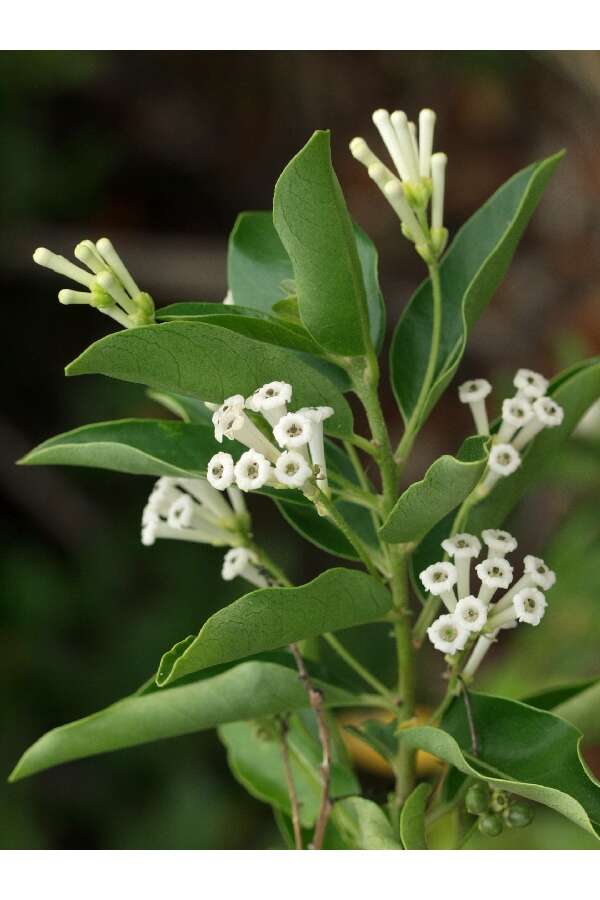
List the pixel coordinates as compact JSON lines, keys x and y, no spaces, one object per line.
{"x":490,"y":824}
{"x":477,"y":799}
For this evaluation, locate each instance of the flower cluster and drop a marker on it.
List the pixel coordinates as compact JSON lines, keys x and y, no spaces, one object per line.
{"x":294,"y":459}
{"x":110,"y":287}
{"x":421,"y":172}
{"x":523,"y":417}
{"x":190,"y":509}
{"x":483,"y":613}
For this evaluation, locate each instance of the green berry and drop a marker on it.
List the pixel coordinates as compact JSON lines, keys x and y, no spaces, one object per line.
{"x":500,"y":801}
{"x":490,"y":824}
{"x":519,"y":815}
{"x":477,"y":798}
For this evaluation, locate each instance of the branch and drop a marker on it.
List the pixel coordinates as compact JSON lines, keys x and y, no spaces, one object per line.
{"x":315,"y":699}
{"x":289,"y":777}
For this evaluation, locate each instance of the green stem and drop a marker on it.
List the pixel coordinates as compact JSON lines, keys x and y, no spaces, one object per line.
{"x":363,"y":444}
{"x":415,"y":421}
{"x":358,"y":667}
{"x":271,"y":566}
{"x":363,"y":552}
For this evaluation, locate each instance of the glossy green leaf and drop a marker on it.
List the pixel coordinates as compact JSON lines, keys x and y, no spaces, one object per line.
{"x":582,"y":709}
{"x":369,"y":825}
{"x":250,"y":690}
{"x":135,"y":446}
{"x":412,"y":818}
{"x":445,"y":485}
{"x":575,"y":390}
{"x":311,"y":218}
{"x":527,"y":751}
{"x":257,"y":262}
{"x":255,"y":758}
{"x":269,"y":618}
{"x":470,"y":273}
{"x":244,"y":320}
{"x":208,"y":362}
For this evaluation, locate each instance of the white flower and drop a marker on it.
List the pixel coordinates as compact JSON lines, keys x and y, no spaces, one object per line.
{"x":480,"y":649}
{"x":504,"y":459}
{"x":529,"y":606}
{"x":530,"y":384}
{"x":252,"y":471}
{"x":292,"y":469}
{"x":448,"y":634}
{"x":316,"y":444}
{"x":498,"y":542}
{"x":241,"y":562}
{"x":231,"y":421}
{"x":214,"y":506}
{"x":547,"y":414}
{"x":539,"y":573}
{"x":472,"y":613}
{"x":494,"y":572}
{"x":474,"y":393}
{"x":395,"y":194}
{"x":438,"y":186}
{"x":271,"y":400}
{"x":110,"y":287}
{"x":293,"y":431}
{"x":228,"y":298}
{"x":439,"y":579}
{"x":219,"y":471}
{"x":516,"y":412}
{"x":154,"y":526}
{"x":463,"y":548}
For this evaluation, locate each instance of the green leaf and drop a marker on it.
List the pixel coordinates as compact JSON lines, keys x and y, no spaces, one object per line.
{"x":470,"y":273}
{"x":187,"y":408}
{"x":412,"y":818}
{"x":210,"y":363}
{"x":582,"y":709}
{"x":254,"y":756}
{"x":369,"y":824}
{"x":310,"y":215}
{"x":575,"y":390}
{"x":380,"y":736}
{"x":445,"y":485}
{"x":270,"y":618}
{"x":257,"y":262}
{"x":524,"y":750}
{"x":244,"y":320}
{"x":134,"y":446}
{"x":250,"y":690}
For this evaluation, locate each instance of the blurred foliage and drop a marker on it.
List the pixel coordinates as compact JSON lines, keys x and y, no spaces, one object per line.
{"x":174,"y":145}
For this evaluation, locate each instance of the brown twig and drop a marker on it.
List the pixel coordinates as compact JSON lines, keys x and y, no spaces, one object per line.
{"x":289,"y":777}
{"x":315,"y":699}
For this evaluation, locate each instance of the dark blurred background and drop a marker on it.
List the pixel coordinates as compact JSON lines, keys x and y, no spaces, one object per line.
{"x":160,"y":151}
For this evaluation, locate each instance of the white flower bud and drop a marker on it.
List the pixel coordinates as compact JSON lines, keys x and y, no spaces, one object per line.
{"x":498,"y":542}
{"x":472,"y":613}
{"x":361,"y":151}
{"x":438,"y":187}
{"x":252,"y":471}
{"x":426,"y":130}
{"x":115,"y":263}
{"x":439,"y":579}
{"x":539,"y":573}
{"x":516,"y":412}
{"x":396,"y":197}
{"x":462,"y":548}
{"x":529,"y":606}
{"x":292,"y":469}
{"x":231,"y":421}
{"x":293,"y":431}
{"x":399,"y":122}
{"x":530,"y":384}
{"x":494,"y":573}
{"x":381,"y":120}
{"x":228,"y":298}
{"x":448,"y":634}
{"x":316,"y":445}
{"x":62,"y":266}
{"x":219,"y":471}
{"x":474,"y":393}
{"x":241,"y":562}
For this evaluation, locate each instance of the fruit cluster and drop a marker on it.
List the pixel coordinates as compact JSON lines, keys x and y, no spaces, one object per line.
{"x":496,"y":809}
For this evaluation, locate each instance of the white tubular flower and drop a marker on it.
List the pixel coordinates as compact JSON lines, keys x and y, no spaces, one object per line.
{"x":530,"y":384}
{"x":115,"y":263}
{"x":271,"y":400}
{"x":208,"y":497}
{"x":474,"y":393}
{"x":236,"y":498}
{"x":396,"y":197}
{"x":397,"y":150}
{"x":219,"y":471}
{"x":439,"y":579}
{"x":480,"y":649}
{"x":163,"y":494}
{"x":472,"y":613}
{"x":462,"y":548}
{"x":153,"y":527}
{"x":426,"y":130}
{"x":293,"y":431}
{"x":438,"y":187}
{"x":242,"y":563}
{"x":316,"y":444}
{"x":62,"y":266}
{"x":539,"y":573}
{"x":228,"y":298}
{"x":547,"y":414}
{"x":292,"y":469}
{"x":231,"y":421}
{"x":361,"y":151}
{"x":494,"y":573}
{"x":529,"y":606}
{"x":407,"y":144}
{"x":498,"y":542}
{"x":252,"y":471}
{"x":516,"y":413}
{"x":502,"y":462}
{"x":448,"y":634}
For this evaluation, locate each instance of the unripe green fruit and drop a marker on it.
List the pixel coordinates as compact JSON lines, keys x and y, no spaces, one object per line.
{"x":500,"y":801}
{"x":477,"y":798}
{"x":519,"y":815}
{"x":490,"y":824}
